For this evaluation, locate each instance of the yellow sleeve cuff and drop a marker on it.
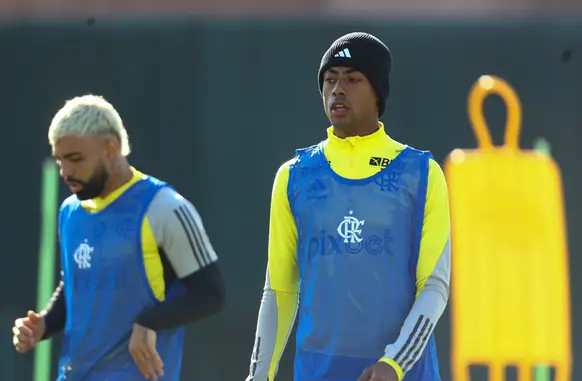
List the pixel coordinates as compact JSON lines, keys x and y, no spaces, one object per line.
{"x":393,"y":364}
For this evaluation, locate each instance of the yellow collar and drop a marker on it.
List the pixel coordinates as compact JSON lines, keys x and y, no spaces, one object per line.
{"x":374,"y":138}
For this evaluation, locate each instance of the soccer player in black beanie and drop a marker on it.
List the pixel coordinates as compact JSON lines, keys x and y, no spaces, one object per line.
{"x":360,"y":230}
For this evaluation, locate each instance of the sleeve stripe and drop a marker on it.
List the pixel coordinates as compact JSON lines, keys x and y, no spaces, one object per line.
{"x":179,"y":212}
{"x":423,"y":341}
{"x":414,"y":331}
{"x":419,"y":334}
{"x":255,"y":359}
{"x":198,"y":229}
{"x":210,"y":254}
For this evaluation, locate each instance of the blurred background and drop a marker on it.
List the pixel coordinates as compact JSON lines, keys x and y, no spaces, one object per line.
{"x":217,"y":94}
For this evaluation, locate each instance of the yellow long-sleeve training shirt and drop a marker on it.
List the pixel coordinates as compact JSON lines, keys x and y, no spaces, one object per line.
{"x":354,"y":158}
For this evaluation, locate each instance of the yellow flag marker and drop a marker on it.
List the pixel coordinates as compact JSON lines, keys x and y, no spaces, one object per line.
{"x":510,"y":286}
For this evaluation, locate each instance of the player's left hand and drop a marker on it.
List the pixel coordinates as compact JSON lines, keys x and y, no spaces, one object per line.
{"x":379,"y":372}
{"x":142,"y":346}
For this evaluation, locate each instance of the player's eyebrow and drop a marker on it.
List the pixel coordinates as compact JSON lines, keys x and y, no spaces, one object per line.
{"x":67,"y":155}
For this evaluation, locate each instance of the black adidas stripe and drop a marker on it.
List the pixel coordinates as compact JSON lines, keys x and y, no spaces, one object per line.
{"x":197,"y":229}
{"x":415,"y":342}
{"x":191,"y":230}
{"x":255,"y":358}
{"x":419,"y":345}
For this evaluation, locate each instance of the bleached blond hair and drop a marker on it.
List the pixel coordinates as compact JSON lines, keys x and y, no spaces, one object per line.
{"x":88,"y":116}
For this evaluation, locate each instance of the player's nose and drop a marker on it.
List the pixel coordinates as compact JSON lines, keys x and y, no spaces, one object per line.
{"x":338,"y":89}
{"x":66,"y":171}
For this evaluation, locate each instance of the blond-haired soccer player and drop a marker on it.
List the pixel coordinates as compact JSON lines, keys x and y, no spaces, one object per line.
{"x":137,"y":264}
{"x":360,"y":230}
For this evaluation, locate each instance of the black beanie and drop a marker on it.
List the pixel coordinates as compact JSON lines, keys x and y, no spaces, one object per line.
{"x":366,"y":54}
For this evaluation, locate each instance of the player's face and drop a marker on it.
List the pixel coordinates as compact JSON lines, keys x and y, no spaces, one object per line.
{"x":82,"y":164}
{"x":348,"y":98}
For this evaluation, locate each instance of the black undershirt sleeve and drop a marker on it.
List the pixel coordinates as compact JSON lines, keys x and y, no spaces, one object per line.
{"x":204,"y":296}
{"x":55,"y":313}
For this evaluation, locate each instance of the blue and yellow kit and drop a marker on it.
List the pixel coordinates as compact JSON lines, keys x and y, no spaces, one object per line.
{"x":122,"y":256}
{"x":359,"y":250}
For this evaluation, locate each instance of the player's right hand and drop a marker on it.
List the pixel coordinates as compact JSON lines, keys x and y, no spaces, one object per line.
{"x":27,"y":332}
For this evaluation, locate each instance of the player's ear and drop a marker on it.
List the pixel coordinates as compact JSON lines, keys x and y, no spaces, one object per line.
{"x":111,"y":147}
